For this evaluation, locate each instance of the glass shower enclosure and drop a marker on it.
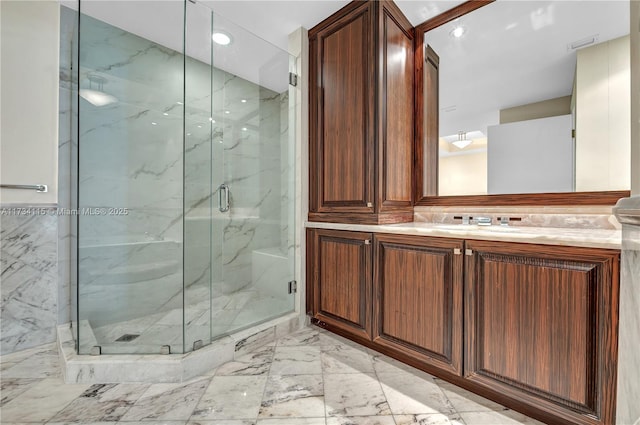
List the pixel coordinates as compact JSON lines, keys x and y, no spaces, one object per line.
{"x":185,"y":178}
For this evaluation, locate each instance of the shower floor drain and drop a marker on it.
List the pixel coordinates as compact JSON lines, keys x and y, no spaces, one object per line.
{"x":127,"y":338}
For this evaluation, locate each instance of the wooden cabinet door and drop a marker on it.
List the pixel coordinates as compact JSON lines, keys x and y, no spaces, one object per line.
{"x":418,"y":299}
{"x":541,"y":327}
{"x":339,"y":273}
{"x":395,"y":109}
{"x":342,"y":113}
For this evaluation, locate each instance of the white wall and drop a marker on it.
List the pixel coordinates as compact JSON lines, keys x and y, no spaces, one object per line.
{"x":602,"y":116}
{"x":464,"y":173}
{"x":29,"y":85}
{"x":533,"y":156}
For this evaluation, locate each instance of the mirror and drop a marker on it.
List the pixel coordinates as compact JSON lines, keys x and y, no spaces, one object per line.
{"x":528,"y":97}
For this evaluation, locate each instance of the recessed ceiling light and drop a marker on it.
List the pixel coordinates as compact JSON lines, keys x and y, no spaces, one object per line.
{"x":458,"y":31}
{"x":165,"y":114}
{"x":221,"y":38}
{"x":154,"y":123}
{"x":180,"y":103}
{"x":244,"y":101}
{"x":244,"y":128}
{"x":227,"y":112}
{"x":199,"y":126}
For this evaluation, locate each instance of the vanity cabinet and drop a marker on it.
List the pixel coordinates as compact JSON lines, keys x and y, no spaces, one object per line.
{"x":417,"y":301}
{"x":533,"y":327}
{"x":361,"y":115}
{"x":541,"y":326}
{"x":339,"y":281}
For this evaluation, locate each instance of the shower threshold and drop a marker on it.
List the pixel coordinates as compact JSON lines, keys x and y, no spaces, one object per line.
{"x":171,"y":368}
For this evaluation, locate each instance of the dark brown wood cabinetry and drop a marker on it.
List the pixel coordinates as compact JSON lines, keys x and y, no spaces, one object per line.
{"x":541,"y":327}
{"x":417,"y":302}
{"x":339,"y":277}
{"x":361,"y":115}
{"x":533,"y":327}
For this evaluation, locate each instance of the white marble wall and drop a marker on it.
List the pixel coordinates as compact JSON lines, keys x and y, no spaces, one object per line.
{"x":28,"y":279}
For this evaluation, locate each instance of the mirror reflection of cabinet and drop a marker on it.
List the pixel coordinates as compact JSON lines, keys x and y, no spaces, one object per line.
{"x":524,"y":61}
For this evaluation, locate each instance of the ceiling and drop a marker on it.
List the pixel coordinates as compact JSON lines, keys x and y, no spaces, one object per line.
{"x":274,"y":20}
{"x":497,"y":33}
{"x":515,"y":53}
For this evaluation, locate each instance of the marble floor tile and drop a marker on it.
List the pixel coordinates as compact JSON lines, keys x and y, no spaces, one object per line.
{"x":293,"y":396}
{"x":430,"y":419}
{"x":231,"y":397}
{"x":298,"y":380}
{"x":466,"y":401}
{"x":410,"y":394}
{"x":292,"y":421}
{"x":19,"y":356}
{"x":6,"y":365}
{"x":102,"y":403}
{"x":360,"y":420}
{"x":84,"y":423}
{"x":346,"y":359}
{"x":385,"y":364}
{"x":296,"y":361}
{"x":44,"y":364}
{"x":354,"y":395}
{"x":49,"y":395}
{"x":167,"y":402}
{"x":10,"y":388}
{"x":308,"y":337}
{"x":220,"y":422}
{"x":505,"y":417}
{"x":256,"y":363}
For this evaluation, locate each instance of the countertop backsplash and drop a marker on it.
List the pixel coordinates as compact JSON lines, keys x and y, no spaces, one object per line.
{"x":583,"y":217}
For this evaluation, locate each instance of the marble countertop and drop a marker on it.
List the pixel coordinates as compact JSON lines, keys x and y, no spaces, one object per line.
{"x":584,"y":237}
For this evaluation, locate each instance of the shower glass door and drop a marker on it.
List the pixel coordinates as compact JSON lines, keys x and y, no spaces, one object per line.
{"x":241,"y":201}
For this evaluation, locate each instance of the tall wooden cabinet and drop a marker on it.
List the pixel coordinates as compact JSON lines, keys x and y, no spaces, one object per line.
{"x":361,"y":115}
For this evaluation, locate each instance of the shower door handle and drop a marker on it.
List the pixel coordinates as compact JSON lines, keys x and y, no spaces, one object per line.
{"x":223,"y":198}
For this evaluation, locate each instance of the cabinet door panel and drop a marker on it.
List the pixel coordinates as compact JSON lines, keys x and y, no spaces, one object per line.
{"x":343,"y":141}
{"x":396,"y":108}
{"x":418,"y":298}
{"x":341,"y":278}
{"x":541,"y":325}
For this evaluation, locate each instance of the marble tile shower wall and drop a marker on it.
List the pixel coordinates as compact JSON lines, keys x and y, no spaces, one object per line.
{"x":28,"y":280}
{"x":132,"y":156}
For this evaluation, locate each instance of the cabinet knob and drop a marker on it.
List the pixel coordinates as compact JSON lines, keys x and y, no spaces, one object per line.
{"x":468,"y":252}
{"x":369,"y":204}
{"x":367,"y":241}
